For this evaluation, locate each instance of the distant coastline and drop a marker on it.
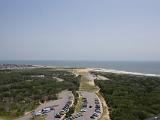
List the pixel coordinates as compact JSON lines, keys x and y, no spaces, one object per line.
{"x":149,"y":68}
{"x":124,"y":72}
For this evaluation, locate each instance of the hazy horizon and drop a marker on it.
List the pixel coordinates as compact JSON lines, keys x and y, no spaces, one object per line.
{"x":80,"y":30}
{"x":84,"y":60}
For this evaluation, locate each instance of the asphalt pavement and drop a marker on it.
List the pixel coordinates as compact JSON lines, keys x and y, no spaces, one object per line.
{"x":57,"y":104}
{"x":90,"y":105}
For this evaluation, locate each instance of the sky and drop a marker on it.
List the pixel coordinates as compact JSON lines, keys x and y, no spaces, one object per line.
{"x":80,"y":30}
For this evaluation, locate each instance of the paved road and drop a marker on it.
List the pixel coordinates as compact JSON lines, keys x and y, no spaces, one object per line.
{"x":58,"y":105}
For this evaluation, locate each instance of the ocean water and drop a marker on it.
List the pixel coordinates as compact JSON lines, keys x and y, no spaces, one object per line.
{"x":142,"y":67}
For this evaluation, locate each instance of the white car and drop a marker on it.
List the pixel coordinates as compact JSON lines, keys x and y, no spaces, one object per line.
{"x":38,"y":113}
{"x":47,"y":109}
{"x":83,"y":110}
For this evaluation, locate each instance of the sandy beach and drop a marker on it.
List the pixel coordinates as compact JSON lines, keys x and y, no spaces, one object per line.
{"x":123,"y":72}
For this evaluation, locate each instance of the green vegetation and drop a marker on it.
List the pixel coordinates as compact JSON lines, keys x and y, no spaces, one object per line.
{"x":131,"y":97}
{"x":23,"y":90}
{"x":79,"y":103}
{"x":87,"y":85}
{"x":72,"y":109}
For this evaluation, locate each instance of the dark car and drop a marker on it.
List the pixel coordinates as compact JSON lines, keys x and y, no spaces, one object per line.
{"x":57,"y":115}
{"x":90,"y":106}
{"x":92,"y":117}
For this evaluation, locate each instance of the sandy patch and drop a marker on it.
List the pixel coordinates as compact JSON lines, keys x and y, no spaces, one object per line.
{"x":58,"y":79}
{"x":99,"y":77}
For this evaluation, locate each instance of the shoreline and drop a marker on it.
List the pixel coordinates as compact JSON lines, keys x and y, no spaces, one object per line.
{"x":104,"y":70}
{"x":90,"y":68}
{"x":124,"y":72}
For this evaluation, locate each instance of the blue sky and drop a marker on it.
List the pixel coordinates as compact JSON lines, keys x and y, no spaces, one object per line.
{"x":80,"y":30}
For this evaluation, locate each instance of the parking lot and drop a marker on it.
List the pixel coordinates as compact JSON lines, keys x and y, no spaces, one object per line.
{"x":57,"y":106}
{"x":91,"y":107}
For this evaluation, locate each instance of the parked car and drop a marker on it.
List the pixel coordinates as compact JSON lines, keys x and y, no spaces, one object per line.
{"x":38,"y":113}
{"x":83,"y":110}
{"x":92,"y":117}
{"x":46,"y":110}
{"x":95,"y":114}
{"x":97,"y":111}
{"x":57,"y":115}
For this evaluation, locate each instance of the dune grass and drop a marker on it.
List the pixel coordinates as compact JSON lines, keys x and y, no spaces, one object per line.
{"x":86,"y":85}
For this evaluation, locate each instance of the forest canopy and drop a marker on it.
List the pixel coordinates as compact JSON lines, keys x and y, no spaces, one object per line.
{"x":23,"y":90}
{"x":130,"y":97}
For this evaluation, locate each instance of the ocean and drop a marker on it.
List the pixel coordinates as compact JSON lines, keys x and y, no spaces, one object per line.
{"x":129,"y":66}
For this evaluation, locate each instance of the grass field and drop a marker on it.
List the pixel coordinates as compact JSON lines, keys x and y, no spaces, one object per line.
{"x":86,"y":85}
